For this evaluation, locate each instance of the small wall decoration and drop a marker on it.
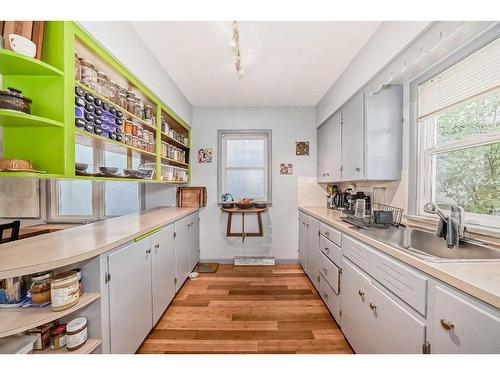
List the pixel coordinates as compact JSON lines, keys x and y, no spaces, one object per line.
{"x":302,"y":148}
{"x":286,"y":168}
{"x":205,"y":155}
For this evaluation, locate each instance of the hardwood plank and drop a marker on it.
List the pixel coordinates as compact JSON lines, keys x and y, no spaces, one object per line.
{"x":247,"y":309}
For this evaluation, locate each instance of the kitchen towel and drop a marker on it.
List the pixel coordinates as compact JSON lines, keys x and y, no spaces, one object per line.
{"x":452,"y":232}
{"x":442,"y":228}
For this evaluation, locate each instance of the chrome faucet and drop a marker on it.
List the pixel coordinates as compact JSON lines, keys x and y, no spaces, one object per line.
{"x":457,"y":213}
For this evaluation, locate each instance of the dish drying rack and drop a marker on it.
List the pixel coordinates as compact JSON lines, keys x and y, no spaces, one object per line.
{"x":369,"y":220}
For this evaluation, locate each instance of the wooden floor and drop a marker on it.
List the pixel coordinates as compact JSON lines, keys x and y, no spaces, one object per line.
{"x":252,"y":309}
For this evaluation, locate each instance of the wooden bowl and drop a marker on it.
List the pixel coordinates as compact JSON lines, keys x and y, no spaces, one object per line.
{"x":244,"y":206}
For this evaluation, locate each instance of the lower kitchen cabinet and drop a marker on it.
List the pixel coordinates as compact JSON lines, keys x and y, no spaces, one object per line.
{"x":130,"y":298}
{"x":163,"y":270}
{"x":374,"y":322}
{"x":330,"y":297}
{"x":186,"y":247}
{"x":303,"y":240}
{"x":313,"y":252}
{"x":460,"y":324}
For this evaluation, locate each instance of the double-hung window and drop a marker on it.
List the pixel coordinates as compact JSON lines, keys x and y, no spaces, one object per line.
{"x":245,"y":164}
{"x":459,"y":136}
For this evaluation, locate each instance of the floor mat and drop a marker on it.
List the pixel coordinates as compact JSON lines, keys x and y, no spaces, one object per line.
{"x":206,"y":267}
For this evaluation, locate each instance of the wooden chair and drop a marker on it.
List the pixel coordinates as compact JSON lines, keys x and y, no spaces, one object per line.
{"x":14,"y":231}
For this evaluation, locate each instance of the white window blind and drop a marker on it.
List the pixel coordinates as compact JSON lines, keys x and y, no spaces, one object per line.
{"x":475,"y":75}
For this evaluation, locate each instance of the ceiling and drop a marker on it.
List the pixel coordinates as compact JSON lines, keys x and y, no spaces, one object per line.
{"x":286,"y":63}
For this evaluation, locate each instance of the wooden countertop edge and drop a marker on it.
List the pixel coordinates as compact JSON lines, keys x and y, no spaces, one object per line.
{"x":85,"y":255}
{"x":420,"y":264}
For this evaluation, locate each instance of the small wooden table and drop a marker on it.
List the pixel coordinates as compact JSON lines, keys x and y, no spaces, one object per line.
{"x":243,"y":211}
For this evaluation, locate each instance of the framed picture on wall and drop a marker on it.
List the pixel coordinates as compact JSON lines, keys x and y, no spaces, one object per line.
{"x":205,"y":155}
{"x":286,"y":168}
{"x":302,"y":148}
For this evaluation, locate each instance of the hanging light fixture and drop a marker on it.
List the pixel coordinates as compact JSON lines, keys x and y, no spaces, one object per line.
{"x":235,"y":44}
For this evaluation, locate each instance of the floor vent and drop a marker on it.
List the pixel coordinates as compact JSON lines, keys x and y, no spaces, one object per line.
{"x":254,"y":261}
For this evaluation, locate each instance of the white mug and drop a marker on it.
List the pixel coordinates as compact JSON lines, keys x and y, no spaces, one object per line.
{"x":22,"y":45}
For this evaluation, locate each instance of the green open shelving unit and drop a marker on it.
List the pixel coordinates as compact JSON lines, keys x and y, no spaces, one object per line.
{"x":48,"y":136}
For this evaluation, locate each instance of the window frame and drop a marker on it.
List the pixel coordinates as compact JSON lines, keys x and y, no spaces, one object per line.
{"x":223,"y":134}
{"x":419,"y":162}
{"x":98,"y":203}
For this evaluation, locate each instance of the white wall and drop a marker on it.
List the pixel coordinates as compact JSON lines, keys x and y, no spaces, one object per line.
{"x":288,"y":125}
{"x":123,"y":42}
{"x":385,"y":44}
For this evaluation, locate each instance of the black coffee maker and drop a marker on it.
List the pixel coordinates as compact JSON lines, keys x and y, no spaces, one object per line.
{"x":351,"y":201}
{"x":341,"y":200}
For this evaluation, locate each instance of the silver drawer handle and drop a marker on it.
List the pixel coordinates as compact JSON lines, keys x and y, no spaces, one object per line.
{"x":148,"y":251}
{"x":358,"y":169}
{"x":447,"y":325}
{"x":326,"y":296}
{"x":361,"y":293}
{"x":325,"y":271}
{"x":327,"y":250}
{"x":373,"y":306}
{"x":327,"y":234}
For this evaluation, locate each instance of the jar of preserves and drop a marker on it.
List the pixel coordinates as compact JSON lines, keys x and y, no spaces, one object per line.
{"x":76,"y":333}
{"x":64,"y":290}
{"x":128,"y":127}
{"x":58,"y":337}
{"x":40,"y":288}
{"x":78,"y":69}
{"x":114,"y":92}
{"x":102,"y":84}
{"x":135,"y":129}
{"x":88,"y":74}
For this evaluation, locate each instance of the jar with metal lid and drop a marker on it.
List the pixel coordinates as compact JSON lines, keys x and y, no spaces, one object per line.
{"x":139,"y":108}
{"x":40,"y":288}
{"x":135,"y":141}
{"x":102,"y":84}
{"x":122,"y":101}
{"x":140,"y":132}
{"x":64,"y":290}
{"x":131,"y":105}
{"x":76,"y":333}
{"x":58,"y":337}
{"x":128,"y":139}
{"x":128,"y":127}
{"x":88,"y":74}
{"x":148,"y":113}
{"x":130,"y":95}
{"x":135,"y":129}
{"x":114,"y":92}
{"x":78,"y":69}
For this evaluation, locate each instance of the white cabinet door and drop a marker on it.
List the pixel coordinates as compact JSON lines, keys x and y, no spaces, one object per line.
{"x":130,"y":313}
{"x":392,"y":329}
{"x":194,"y":234}
{"x":303,"y":240}
{"x":462,"y":325}
{"x":182,"y":251}
{"x":353,"y":138}
{"x":355,"y":316}
{"x":329,"y":149}
{"x":163,"y":270}
{"x":313,"y":251}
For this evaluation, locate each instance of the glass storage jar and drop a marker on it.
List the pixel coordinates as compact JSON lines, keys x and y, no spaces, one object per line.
{"x":114,"y":92}
{"x":40,"y":288}
{"x":131,"y":105}
{"x":78,"y":69}
{"x":148,"y":113}
{"x":139,"y":108}
{"x":102,"y":84}
{"x":88,"y":74}
{"x":122,"y":101}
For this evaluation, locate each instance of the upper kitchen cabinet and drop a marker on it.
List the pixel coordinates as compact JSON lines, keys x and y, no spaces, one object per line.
{"x":363,"y":139}
{"x":329,"y":149}
{"x":352,"y":139}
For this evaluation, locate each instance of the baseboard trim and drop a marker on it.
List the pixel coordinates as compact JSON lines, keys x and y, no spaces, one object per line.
{"x":231,"y":261}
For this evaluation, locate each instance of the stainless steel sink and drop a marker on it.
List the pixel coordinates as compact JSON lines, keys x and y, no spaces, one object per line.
{"x":428,"y":246}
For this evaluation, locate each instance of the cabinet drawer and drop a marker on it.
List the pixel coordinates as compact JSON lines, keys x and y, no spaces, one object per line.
{"x":359,"y":254}
{"x":329,"y":271}
{"x":330,"y":233}
{"x":331,"y":250}
{"x":330,"y":298}
{"x":400,"y":279}
{"x":461,"y":325}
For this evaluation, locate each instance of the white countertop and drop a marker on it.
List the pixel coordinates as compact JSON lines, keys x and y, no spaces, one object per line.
{"x":53,"y":250}
{"x":479,"y":279}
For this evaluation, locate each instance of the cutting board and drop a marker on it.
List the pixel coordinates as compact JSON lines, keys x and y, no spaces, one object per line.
{"x":192,"y":196}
